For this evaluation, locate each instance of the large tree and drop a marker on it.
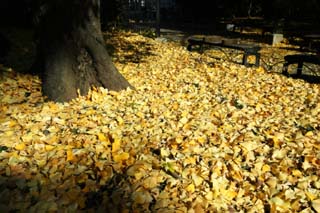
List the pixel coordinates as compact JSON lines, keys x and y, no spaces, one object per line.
{"x":71,"y":54}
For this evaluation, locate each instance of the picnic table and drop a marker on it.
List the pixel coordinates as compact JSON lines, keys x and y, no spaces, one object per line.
{"x":248,"y":49}
{"x":300,"y":59}
{"x":311,"y":40}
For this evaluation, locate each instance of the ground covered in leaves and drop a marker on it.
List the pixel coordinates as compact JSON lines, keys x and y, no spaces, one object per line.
{"x":198,"y":134}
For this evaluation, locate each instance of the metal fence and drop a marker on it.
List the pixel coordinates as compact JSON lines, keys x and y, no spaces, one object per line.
{"x":144,"y":11}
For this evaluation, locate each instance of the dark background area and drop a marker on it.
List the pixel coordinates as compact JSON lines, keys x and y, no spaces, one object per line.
{"x":291,"y":17}
{"x":24,"y":13}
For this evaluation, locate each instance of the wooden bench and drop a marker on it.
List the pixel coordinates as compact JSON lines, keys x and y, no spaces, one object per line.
{"x":299,"y":59}
{"x":247,"y":49}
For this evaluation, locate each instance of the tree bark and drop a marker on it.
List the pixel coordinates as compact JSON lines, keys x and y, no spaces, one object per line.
{"x":71,"y":51}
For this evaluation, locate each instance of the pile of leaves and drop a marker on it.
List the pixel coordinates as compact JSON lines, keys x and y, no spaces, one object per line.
{"x":197,"y":135}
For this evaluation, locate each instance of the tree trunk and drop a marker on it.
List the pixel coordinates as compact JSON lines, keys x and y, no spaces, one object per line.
{"x":71,"y":50}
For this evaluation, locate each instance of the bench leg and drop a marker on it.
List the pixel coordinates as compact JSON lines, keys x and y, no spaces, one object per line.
{"x":245,"y":59}
{"x":285,"y":69}
{"x":201,"y":48}
{"x":189,"y":47}
{"x":299,"y":69}
{"x":257,"y":59}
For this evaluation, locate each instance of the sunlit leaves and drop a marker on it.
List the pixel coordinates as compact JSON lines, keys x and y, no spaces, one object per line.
{"x":197,"y":135}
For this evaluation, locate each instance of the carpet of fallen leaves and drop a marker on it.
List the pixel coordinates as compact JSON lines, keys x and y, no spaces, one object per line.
{"x":197,"y":135}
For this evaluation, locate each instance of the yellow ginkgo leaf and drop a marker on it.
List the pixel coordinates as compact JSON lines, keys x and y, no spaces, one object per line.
{"x":102,"y":137}
{"x":116,"y":145}
{"x":53,"y":140}
{"x":316,"y":205}
{"x":260,"y":70}
{"x":20,"y":146}
{"x":311,"y":195}
{"x":296,"y":173}
{"x":201,"y":140}
{"x":141,"y":197}
{"x":191,"y":188}
{"x":70,"y":155}
{"x":266,"y":168}
{"x":190,"y":160}
{"x":229,"y":194}
{"x":120,"y":121}
{"x":49,"y":147}
{"x":197,"y":179}
{"x":12,"y":123}
{"x":118,"y":158}
{"x":9,"y":133}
